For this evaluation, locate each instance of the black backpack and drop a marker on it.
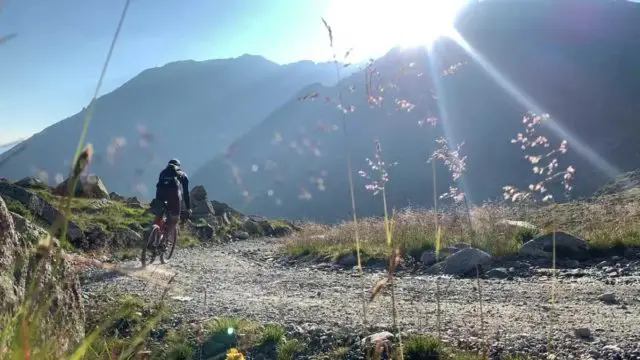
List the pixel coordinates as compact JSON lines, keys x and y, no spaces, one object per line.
{"x":169,"y":178}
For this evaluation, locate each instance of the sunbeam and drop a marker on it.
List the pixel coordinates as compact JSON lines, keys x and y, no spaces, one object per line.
{"x":525,"y":100}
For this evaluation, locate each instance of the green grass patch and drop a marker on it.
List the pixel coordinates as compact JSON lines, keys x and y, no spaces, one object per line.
{"x":108,"y":214}
{"x":272,"y":334}
{"x":423,"y":347}
{"x":180,"y":346}
{"x":287,"y":350}
{"x":340,"y":353}
{"x":187,"y":240}
{"x":18,"y":208}
{"x":226,"y":325}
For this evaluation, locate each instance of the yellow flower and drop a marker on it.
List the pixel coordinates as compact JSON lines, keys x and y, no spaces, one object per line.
{"x":234,"y":354}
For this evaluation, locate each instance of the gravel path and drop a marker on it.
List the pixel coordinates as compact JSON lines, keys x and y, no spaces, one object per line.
{"x":244,"y":280}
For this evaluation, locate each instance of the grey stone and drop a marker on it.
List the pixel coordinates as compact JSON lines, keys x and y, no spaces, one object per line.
{"x":90,"y":186}
{"x":608,"y":298}
{"x":463,"y":262}
{"x":567,"y":246}
{"x":240,"y":235}
{"x":21,"y":268}
{"x":428,"y":258}
{"x":348,"y":260}
{"x":373,"y":339}
{"x":497,"y":273}
{"x":43,"y":210}
{"x":31,"y":183}
{"x":583,"y":333}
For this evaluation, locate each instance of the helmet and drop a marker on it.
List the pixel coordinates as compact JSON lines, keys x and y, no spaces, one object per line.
{"x":175,"y":162}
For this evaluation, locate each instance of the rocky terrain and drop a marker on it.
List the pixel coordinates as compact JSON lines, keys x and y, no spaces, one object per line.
{"x":595,"y":315}
{"x":233,"y":266}
{"x":238,"y":267}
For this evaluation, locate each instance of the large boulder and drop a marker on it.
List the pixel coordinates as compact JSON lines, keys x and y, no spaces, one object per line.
{"x":90,"y":186}
{"x":31,"y":183}
{"x":28,"y":232}
{"x":463,"y":262}
{"x":98,"y":239}
{"x":55,"y":286}
{"x":44,"y":211}
{"x":221,"y":208}
{"x":567,"y":247}
{"x":200,"y":205}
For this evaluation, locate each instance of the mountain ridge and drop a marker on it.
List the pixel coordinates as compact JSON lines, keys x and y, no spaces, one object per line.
{"x":563,"y":75}
{"x":174,"y":110}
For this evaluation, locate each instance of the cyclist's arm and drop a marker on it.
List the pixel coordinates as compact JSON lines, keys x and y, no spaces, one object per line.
{"x":185,"y":190}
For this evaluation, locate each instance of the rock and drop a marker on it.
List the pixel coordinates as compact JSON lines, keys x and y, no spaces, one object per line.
{"x":222,"y":208}
{"x":96,"y":238}
{"x":608,"y":298}
{"x":458,"y":246}
{"x":125,"y":238}
{"x":347,"y":260}
{"x":20,"y":266}
{"x":632,"y":253}
{"x":383,"y":336}
{"x":497,"y":273}
{"x":280,"y":229}
{"x":90,"y":186}
{"x":463,"y":262}
{"x":428,"y":258}
{"x":583,"y":333}
{"x":200,"y":205}
{"x":567,"y":246}
{"x":31,"y":183}
{"x":115,"y":196}
{"x":204,"y":232}
{"x":571,"y":263}
{"x":253,"y":228}
{"x":240,"y":235}
{"x":27,"y":231}
{"x":134,"y":203}
{"x":43,"y":210}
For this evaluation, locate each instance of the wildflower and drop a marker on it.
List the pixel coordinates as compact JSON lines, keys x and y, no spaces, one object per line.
{"x":544,"y":164}
{"x":234,"y":354}
{"x":377,"y":164}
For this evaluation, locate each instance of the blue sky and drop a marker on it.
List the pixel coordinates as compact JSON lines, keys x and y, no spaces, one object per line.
{"x":49,"y":70}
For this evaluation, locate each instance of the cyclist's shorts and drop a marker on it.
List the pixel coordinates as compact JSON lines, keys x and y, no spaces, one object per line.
{"x":172,"y":198}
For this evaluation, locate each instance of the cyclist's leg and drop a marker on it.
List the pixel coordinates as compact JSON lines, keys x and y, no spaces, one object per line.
{"x":173,"y":216}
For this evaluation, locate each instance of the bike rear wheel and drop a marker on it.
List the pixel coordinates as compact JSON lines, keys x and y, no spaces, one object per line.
{"x":150,"y":245}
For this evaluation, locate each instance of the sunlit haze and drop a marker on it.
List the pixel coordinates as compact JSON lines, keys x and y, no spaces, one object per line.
{"x":50,"y":68}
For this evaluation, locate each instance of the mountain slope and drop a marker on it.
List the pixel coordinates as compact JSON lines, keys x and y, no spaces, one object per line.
{"x":8,"y":146}
{"x":187,"y":109}
{"x":576,"y":59}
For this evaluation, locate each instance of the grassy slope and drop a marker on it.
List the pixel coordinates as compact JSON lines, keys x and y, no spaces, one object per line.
{"x":605,"y":222}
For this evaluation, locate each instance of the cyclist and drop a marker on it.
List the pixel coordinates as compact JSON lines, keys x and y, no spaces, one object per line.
{"x":172,"y":186}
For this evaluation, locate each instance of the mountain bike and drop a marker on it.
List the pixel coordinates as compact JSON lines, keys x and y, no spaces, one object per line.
{"x":158,"y":240}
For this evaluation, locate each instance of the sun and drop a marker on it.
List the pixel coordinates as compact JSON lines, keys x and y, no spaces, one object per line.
{"x":372,"y":27}
{"x":421,"y":22}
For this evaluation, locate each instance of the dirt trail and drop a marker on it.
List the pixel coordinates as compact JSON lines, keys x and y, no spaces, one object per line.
{"x":244,"y":280}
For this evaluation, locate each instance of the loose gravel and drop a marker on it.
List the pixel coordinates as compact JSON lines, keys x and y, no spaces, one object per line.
{"x":248,"y":280}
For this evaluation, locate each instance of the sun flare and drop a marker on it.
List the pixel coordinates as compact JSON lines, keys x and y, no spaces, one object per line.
{"x":374,"y":26}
